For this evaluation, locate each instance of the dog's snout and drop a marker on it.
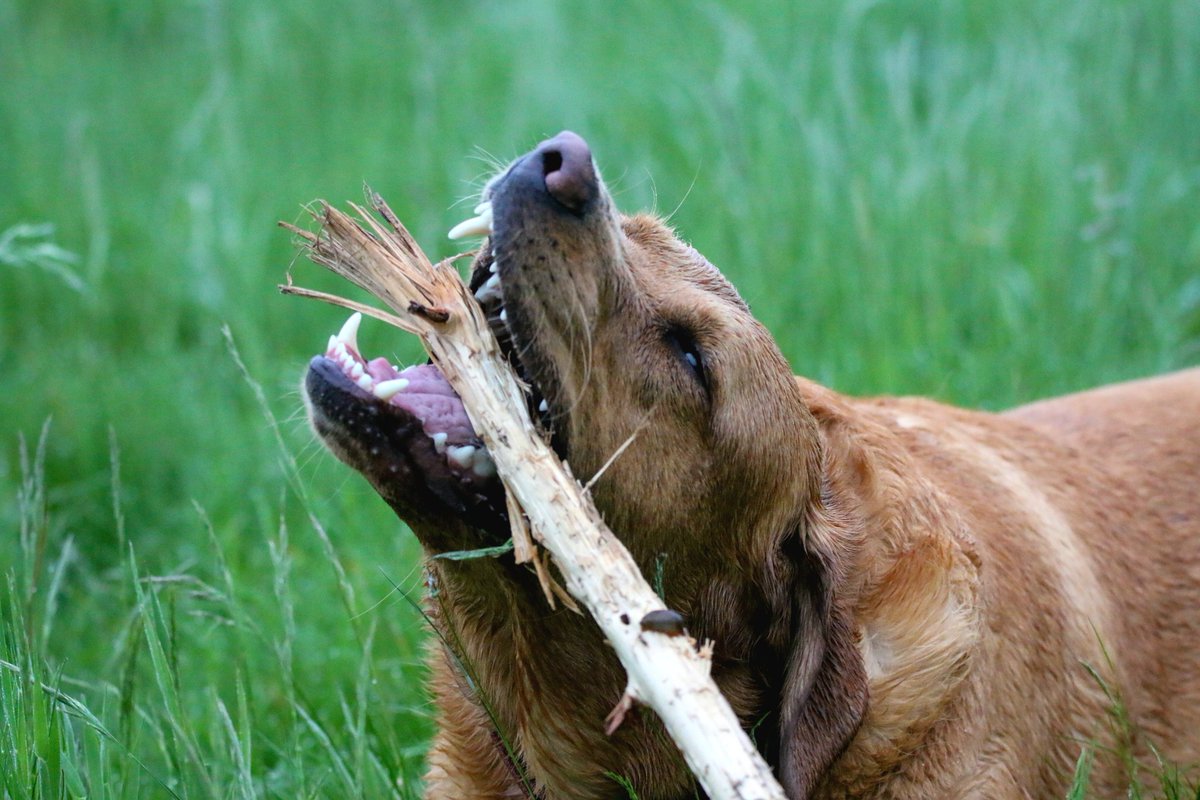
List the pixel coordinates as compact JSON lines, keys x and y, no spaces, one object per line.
{"x":567,"y":168}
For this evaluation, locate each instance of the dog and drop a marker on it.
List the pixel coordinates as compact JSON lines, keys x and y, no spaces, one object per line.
{"x":907,"y":600}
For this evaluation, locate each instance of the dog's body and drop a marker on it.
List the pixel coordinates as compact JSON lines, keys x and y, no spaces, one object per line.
{"x":908,"y":600}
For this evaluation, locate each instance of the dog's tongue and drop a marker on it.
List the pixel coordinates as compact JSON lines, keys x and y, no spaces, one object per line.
{"x":422,"y":392}
{"x":432,"y":400}
{"x":429,"y":398}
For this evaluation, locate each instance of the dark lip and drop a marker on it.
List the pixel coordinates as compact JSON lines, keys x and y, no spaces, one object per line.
{"x":333,"y":396}
{"x":380,"y":439}
{"x":516,"y":349}
{"x":331,"y":375}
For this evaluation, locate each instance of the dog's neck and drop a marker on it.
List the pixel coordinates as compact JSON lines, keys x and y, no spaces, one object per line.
{"x":915,"y":595}
{"x":526,"y":664}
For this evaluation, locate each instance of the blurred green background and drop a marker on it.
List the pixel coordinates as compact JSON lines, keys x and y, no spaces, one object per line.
{"x":984,"y":202}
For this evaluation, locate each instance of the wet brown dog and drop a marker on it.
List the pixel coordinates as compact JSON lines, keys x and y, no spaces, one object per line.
{"x":906,"y":598}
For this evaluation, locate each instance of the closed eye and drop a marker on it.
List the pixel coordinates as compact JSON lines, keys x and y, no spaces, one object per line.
{"x":683,"y":343}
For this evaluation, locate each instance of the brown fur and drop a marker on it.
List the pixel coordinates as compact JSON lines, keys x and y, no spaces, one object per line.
{"x":903,"y":595}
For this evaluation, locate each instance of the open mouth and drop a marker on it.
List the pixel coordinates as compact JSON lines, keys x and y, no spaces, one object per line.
{"x":392,"y":423}
{"x":406,"y":429}
{"x":418,"y":391}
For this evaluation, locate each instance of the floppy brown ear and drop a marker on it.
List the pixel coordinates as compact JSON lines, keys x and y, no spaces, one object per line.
{"x":824,"y":695}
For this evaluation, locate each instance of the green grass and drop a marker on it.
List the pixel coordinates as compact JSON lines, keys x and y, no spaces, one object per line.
{"x":983,"y":202}
{"x":1152,"y":777}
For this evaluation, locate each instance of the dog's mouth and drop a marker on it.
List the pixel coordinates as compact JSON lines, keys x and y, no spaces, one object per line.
{"x":406,"y":429}
{"x":398,"y":424}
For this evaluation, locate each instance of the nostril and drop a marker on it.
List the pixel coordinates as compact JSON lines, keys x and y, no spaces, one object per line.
{"x":568,"y":172}
{"x":552,"y":161}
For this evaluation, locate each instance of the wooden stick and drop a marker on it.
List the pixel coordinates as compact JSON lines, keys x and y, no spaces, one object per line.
{"x":665,"y":669}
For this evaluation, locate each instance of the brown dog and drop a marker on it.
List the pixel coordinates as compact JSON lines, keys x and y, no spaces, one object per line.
{"x":908,"y":600}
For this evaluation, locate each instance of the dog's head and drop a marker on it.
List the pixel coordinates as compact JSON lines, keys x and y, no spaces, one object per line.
{"x":646,"y":368}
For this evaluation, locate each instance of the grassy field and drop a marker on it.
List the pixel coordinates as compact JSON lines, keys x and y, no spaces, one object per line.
{"x":984,"y":202}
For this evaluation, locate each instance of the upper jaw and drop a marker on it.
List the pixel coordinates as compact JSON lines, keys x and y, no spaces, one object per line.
{"x":546,"y":250}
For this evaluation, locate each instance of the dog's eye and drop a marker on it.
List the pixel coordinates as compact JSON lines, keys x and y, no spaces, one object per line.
{"x":682,"y":341}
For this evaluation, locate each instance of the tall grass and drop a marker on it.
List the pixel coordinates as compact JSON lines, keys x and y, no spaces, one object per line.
{"x":986,"y":202}
{"x":200,"y":694}
{"x":1147,"y":777}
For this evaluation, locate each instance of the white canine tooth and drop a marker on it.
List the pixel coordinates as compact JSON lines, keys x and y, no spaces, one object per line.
{"x":489,"y":289}
{"x":386,"y":390}
{"x":332,"y":344}
{"x":364,"y":382}
{"x":462,"y":456}
{"x":349,"y":331}
{"x":476,"y":226}
{"x":492,"y":267}
{"x":543,"y":406}
{"x":486,"y":205}
{"x":504,"y":315}
{"x":439,"y":442}
{"x":484,"y":467}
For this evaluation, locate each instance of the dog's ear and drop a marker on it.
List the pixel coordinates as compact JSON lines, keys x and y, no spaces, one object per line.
{"x":824,"y":693}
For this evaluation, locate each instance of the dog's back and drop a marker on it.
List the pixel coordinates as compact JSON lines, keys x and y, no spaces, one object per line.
{"x":1080,"y":521}
{"x":1142,"y":439}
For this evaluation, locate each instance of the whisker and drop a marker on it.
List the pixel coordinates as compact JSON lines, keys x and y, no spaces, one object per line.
{"x":686,"y":195}
{"x":587,"y":487}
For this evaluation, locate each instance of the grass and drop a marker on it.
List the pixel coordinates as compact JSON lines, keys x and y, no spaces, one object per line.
{"x":1158,"y":778}
{"x":984,"y":202}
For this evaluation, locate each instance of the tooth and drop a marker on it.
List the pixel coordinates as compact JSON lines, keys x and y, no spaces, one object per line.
{"x":476,"y":226}
{"x":462,"y":456}
{"x":543,"y":406}
{"x":386,"y":390}
{"x":349,"y":331}
{"x":488,"y":290}
{"x":356,"y":370}
{"x":484,"y":467}
{"x":492,"y":267}
{"x":486,"y":205}
{"x":504,"y":315}
{"x":364,"y":382}
{"x":340,"y":351}
{"x":332,"y":344}
{"x":439,"y":442}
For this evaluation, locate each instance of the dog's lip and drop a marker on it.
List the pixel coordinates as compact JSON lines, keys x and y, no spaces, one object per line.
{"x":488,"y":288}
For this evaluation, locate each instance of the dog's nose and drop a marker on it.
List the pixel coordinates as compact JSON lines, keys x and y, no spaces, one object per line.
{"x":568,"y":170}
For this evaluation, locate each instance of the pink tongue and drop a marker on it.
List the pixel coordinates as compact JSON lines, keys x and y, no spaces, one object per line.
{"x":380,"y":369}
{"x":430,"y":398}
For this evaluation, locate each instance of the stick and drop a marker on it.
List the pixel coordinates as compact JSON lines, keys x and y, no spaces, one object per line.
{"x":665,"y":669}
